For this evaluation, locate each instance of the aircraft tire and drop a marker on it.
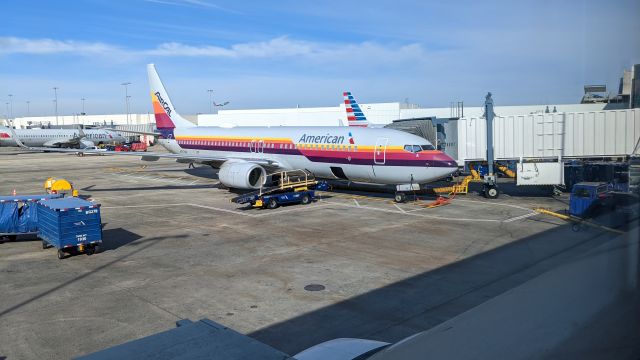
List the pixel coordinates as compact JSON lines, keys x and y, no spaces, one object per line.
{"x":272,"y":204}
{"x":491,"y":192}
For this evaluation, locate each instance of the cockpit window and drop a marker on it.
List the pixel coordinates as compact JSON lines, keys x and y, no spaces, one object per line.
{"x":418,"y":148}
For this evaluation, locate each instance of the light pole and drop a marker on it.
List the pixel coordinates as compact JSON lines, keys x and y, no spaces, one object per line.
{"x":28,"y":108}
{"x":126,"y":98}
{"x":7,"y":114}
{"x":11,"y":106}
{"x":55,"y":93}
{"x":210,"y":91}
{"x":83,"y":99}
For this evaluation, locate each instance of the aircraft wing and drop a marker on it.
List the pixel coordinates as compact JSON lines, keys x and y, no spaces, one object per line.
{"x":133,"y":132}
{"x":154,"y":156}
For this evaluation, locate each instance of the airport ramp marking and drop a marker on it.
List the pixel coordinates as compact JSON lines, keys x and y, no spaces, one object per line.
{"x":430,"y":216}
{"x":522,"y":217}
{"x":148,"y":176}
{"x":244,"y":213}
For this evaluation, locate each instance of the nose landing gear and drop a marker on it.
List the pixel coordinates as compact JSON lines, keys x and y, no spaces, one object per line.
{"x":400,"y":197}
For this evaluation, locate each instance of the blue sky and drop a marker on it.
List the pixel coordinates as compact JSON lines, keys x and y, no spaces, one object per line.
{"x":259,"y":54}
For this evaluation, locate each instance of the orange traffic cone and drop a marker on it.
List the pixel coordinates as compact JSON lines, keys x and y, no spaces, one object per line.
{"x":14,"y":192}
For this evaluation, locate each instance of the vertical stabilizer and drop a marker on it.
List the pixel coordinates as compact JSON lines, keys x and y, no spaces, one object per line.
{"x":355,"y":116}
{"x":167,"y":118}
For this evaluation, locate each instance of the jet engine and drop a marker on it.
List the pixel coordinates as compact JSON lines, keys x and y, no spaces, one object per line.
{"x":242,"y":175}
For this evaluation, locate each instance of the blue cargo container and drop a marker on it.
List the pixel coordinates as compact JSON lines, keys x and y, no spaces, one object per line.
{"x":586,"y":197}
{"x":19,"y":214}
{"x":70,"y":225}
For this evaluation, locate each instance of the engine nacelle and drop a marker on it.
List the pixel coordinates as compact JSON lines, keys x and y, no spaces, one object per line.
{"x":242,"y":175}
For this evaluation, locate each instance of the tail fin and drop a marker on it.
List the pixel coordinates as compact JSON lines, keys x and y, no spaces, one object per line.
{"x":355,"y":116}
{"x":167,"y":118}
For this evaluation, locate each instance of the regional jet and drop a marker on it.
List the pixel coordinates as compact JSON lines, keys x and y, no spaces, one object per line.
{"x":244,"y":155}
{"x":59,"y":138}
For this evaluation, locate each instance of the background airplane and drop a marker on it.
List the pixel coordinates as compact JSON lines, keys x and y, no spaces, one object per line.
{"x":59,"y":138}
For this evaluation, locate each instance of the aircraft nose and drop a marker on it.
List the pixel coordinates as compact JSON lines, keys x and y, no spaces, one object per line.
{"x":443,"y":160}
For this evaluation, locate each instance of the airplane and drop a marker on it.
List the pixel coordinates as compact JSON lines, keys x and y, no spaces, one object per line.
{"x":244,"y":155}
{"x":59,"y":138}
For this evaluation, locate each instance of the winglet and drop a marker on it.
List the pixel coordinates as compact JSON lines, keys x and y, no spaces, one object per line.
{"x":81,"y":134}
{"x":355,"y":116}
{"x":15,"y":136}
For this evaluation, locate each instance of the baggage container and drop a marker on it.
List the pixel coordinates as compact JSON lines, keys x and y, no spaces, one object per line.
{"x":70,"y":225}
{"x":586,"y":197}
{"x":19,"y":214}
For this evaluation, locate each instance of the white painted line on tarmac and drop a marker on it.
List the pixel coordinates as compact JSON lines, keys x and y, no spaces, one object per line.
{"x":325,"y":202}
{"x":223,"y":210}
{"x":417,"y":215}
{"x":522,"y":217}
{"x":140,"y":206}
{"x":399,"y":208}
{"x":494,"y":203}
{"x":293,"y":208}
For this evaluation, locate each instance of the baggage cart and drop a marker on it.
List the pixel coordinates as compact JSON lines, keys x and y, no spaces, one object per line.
{"x":71,"y":225}
{"x":19,"y":214}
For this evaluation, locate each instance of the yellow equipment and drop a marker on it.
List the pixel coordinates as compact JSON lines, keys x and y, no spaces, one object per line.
{"x":59,"y":186}
{"x":461,"y":188}
{"x":505,"y":170}
{"x":577,"y":221}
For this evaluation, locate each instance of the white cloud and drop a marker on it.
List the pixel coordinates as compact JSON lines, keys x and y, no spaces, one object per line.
{"x":14,"y":45}
{"x":279,"y":47}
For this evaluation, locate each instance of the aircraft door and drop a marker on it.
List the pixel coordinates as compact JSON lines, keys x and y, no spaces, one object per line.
{"x":256,"y":146}
{"x":380,"y":152}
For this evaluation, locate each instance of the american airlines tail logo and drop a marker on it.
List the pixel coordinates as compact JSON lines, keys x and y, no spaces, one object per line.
{"x":163,"y":103}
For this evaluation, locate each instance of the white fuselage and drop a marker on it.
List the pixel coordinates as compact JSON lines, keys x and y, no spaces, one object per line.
{"x":380,"y":156}
{"x":58,"y":137}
